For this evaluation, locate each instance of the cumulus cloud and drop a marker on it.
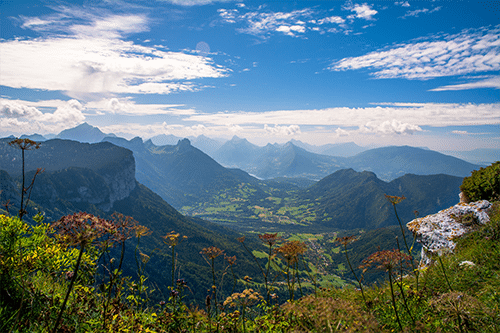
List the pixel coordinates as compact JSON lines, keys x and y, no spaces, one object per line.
{"x":93,"y":58}
{"x":20,"y":116}
{"x":341,"y":132}
{"x":282,"y":130}
{"x":493,"y":82}
{"x":470,"y":51}
{"x":11,"y":109}
{"x":390,"y":127}
{"x":295,"y":23}
{"x":331,"y":19}
{"x":363,"y":11}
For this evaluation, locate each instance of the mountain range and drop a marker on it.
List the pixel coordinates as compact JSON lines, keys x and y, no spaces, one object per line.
{"x":214,"y":147}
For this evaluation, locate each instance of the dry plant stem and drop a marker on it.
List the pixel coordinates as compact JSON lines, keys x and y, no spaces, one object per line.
{"x":394,"y":300}
{"x":267,"y":272}
{"x":400,"y":285}
{"x":111,"y":283}
{"x":313,"y":279}
{"x":173,"y":267}
{"x":444,"y":273}
{"x":355,"y":276}
{"x":408,"y":249}
{"x":72,"y":282}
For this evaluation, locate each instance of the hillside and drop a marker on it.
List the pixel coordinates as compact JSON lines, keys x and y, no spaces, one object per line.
{"x":182,"y":174}
{"x":392,"y":162}
{"x":348,"y":199}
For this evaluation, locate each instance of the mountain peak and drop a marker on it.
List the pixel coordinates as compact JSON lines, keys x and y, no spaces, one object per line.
{"x":184,"y":143}
{"x":83,"y":133}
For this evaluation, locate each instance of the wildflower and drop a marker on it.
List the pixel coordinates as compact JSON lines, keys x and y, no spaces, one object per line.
{"x":346,"y":240}
{"x":173,"y":239}
{"x":241,"y":239}
{"x":231,"y":260}
{"x":393,"y":199}
{"x":270,"y":239}
{"x":181,"y":282}
{"x":386,"y":260}
{"x":141,"y":231}
{"x":82,"y":228}
{"x":211,"y":252}
{"x":291,"y":251}
{"x":124,"y":226}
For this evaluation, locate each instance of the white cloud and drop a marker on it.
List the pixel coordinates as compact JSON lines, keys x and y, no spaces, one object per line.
{"x":493,"y":82}
{"x":196,"y":2}
{"x":263,"y":24}
{"x":93,"y":59}
{"x":363,"y":11}
{"x":417,"y":12}
{"x":21,"y":117}
{"x":11,"y":109}
{"x":282,"y":130}
{"x":469,"y":51}
{"x":460,"y":132}
{"x":291,"y":30}
{"x":331,"y":19}
{"x":390,"y":127}
{"x":125,"y":106}
{"x":402,"y":3}
{"x":341,"y":132}
{"x":394,"y":115}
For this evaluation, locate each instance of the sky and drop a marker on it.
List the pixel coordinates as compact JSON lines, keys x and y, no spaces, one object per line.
{"x":377,"y":73}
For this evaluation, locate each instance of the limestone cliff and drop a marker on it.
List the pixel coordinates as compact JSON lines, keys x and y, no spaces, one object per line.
{"x":75,"y":173}
{"x":436,"y":232}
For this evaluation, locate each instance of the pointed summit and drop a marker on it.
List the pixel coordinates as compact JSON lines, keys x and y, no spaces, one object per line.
{"x":83,"y":133}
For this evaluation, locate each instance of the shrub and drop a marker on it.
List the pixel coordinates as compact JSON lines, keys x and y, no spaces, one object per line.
{"x":483,"y":184}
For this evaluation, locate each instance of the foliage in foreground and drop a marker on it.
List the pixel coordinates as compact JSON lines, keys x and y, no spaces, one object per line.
{"x":458,"y":293}
{"x":483,"y":184}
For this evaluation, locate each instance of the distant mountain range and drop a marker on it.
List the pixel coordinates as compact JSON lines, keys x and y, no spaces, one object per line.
{"x":180,"y":174}
{"x":276,"y":160}
{"x":288,"y":160}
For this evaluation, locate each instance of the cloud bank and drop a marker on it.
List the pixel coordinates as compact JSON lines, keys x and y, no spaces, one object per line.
{"x":470,"y":51}
{"x":93,"y":57}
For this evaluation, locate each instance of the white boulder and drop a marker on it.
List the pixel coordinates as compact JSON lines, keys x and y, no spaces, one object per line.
{"x":436,"y":232}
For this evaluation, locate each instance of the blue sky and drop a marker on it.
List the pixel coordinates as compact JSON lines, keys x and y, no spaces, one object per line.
{"x":420,"y":73}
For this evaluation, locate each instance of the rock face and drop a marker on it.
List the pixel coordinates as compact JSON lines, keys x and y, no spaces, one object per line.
{"x":436,"y":232}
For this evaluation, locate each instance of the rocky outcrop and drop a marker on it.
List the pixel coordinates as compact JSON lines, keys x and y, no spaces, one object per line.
{"x":98,"y":174}
{"x":436,"y":232}
{"x":122,"y":181}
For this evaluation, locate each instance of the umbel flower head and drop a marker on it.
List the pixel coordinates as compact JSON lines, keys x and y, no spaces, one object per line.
{"x":394,"y":199}
{"x":80,"y":229}
{"x":386,"y":260}
{"x":173,"y":238}
{"x":211,"y":252}
{"x":291,"y":250}
{"x":246,"y":298}
{"x":270,"y":239}
{"x":346,"y":240}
